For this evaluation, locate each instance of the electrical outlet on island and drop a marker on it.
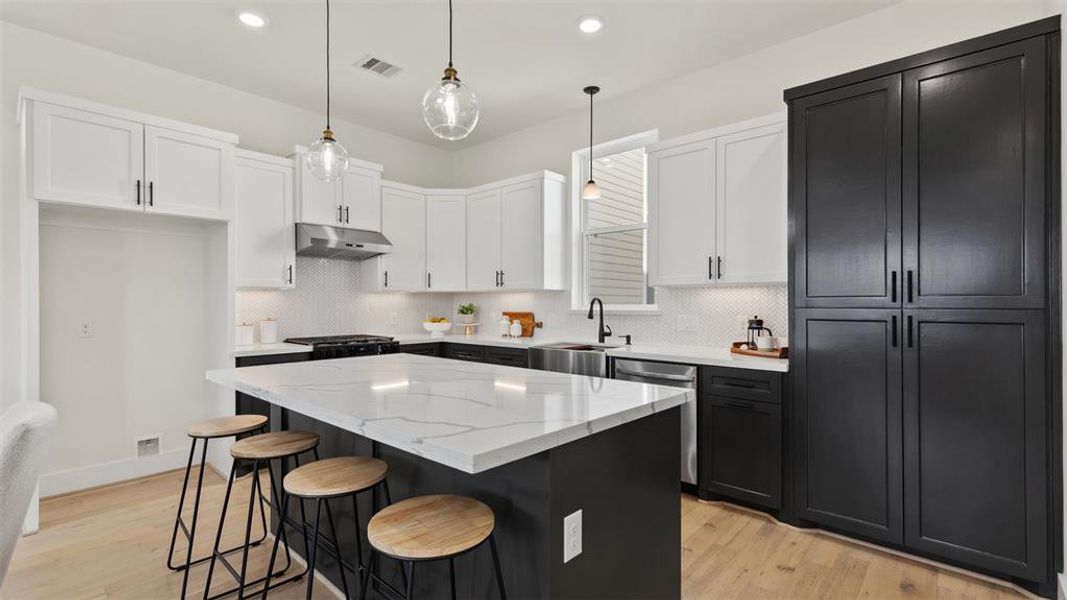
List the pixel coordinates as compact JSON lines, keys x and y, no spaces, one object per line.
{"x":572,"y":535}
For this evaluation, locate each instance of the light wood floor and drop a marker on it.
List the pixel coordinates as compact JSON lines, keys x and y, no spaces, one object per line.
{"x":112,"y":542}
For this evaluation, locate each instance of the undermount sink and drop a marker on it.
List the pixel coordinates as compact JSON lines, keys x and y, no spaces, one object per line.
{"x":571,"y":357}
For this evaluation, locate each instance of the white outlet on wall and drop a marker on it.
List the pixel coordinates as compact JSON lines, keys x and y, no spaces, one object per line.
{"x":572,"y":535}
{"x":85,"y":330}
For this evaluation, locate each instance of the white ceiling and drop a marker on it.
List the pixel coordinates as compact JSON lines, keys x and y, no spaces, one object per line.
{"x":526,"y":60}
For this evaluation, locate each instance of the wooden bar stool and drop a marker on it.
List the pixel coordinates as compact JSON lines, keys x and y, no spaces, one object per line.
{"x":258,"y":450}
{"x":427,"y":528}
{"x":320,"y":481}
{"x":207,"y":431}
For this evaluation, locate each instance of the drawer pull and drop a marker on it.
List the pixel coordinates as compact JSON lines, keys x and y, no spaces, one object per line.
{"x":651,"y":375}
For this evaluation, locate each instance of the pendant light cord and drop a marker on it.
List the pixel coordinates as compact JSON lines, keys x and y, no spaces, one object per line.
{"x":327,"y":64}
{"x":590,"y":137}
{"x":450,"y":33}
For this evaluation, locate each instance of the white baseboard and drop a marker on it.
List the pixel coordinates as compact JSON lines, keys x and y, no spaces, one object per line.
{"x":70,"y":480}
{"x":1061,"y":588}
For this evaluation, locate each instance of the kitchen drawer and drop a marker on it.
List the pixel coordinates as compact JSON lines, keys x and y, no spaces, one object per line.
{"x":432,"y":349}
{"x":740,"y":451}
{"x":465,"y":352}
{"x":746,"y":384}
{"x":511,"y":357}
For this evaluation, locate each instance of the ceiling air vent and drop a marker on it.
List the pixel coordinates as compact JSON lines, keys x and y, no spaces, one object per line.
{"x":377,"y":65}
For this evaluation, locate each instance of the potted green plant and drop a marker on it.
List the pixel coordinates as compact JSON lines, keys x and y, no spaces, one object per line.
{"x":466,"y":312}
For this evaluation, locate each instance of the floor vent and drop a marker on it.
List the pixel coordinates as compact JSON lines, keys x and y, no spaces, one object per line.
{"x":377,"y":65}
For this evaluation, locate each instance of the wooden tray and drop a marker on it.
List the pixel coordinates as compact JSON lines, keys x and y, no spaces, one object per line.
{"x":776,"y":353}
{"x":526,"y":319}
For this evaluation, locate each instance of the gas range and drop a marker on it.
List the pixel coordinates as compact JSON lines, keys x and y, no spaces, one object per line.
{"x":341,"y":346}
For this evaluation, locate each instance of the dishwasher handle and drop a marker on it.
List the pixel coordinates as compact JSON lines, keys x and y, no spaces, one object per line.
{"x":651,"y":375}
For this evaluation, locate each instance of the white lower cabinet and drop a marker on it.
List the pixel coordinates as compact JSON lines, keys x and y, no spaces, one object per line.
{"x":264,"y":229}
{"x":717,"y":205}
{"x":404,"y":225}
{"x":446,"y":243}
{"x":95,"y":155}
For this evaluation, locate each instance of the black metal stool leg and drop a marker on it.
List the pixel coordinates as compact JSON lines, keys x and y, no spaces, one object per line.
{"x":274,"y":548}
{"x":196,"y":512}
{"x":452,"y":575}
{"x":496,"y":565}
{"x":370,"y":569}
{"x":361,"y":569}
{"x":181,"y":505}
{"x":313,"y":551}
{"x":337,"y":545}
{"x":248,"y":528}
{"x":218,"y":535}
{"x":279,"y":498}
{"x":411,"y":580}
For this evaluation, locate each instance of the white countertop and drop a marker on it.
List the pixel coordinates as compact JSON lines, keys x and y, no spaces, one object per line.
{"x":266,"y":349}
{"x":469,"y":416}
{"x":694,"y":355}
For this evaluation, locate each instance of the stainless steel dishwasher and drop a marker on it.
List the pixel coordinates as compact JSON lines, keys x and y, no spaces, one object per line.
{"x":676,"y":375}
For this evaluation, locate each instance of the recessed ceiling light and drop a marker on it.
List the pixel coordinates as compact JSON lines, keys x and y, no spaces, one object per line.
{"x":590,"y":24}
{"x":251,"y":19}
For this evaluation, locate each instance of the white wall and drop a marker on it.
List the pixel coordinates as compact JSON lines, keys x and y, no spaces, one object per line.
{"x":31,"y":58}
{"x":746,"y":87}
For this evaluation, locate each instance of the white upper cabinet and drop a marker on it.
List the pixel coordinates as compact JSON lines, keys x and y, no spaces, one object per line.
{"x":681,"y":214}
{"x":362,"y":199}
{"x":264,"y":231}
{"x":96,"y":155}
{"x":404,"y":225}
{"x":446,"y":243}
{"x":354,"y":202}
{"x":81,"y":157}
{"x":483,"y":240}
{"x":521,"y":254}
{"x":717,"y":205}
{"x":188,"y":175}
{"x":750,"y":194}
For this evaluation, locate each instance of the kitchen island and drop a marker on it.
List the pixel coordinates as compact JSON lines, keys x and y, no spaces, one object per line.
{"x":535,"y":446}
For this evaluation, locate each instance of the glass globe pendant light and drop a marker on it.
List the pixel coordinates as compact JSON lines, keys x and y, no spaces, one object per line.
{"x":450,"y":108}
{"x":591,"y":191}
{"x":326,"y":158}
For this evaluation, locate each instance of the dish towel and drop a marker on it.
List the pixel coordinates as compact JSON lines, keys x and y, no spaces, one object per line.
{"x":21,"y":443}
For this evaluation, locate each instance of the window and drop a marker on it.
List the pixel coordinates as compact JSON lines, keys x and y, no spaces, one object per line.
{"x":611,"y":261}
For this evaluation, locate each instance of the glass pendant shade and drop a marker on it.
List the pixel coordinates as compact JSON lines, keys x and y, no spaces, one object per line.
{"x":590,"y":191}
{"x":450,"y":109}
{"x":327,"y":159}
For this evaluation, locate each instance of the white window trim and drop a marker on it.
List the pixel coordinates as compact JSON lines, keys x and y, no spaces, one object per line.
{"x":578,"y":159}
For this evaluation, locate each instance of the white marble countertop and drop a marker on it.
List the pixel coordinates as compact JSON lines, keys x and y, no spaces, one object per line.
{"x":469,"y":416}
{"x":266,"y":349}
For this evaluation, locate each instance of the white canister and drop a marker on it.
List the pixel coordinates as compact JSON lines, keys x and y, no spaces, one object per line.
{"x":243,"y":334}
{"x":515,"y":330}
{"x":503,"y":326}
{"x":268,"y":332}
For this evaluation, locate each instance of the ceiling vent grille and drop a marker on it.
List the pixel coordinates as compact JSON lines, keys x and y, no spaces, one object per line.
{"x":377,"y":65}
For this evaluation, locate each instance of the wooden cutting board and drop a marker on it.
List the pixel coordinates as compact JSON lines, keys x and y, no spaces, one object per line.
{"x":526,"y":319}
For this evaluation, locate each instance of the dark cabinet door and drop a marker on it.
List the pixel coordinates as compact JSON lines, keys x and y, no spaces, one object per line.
{"x":429,"y":349}
{"x":974,"y":433}
{"x":512,"y":357}
{"x":974,"y":187}
{"x":844,"y":178}
{"x":740,"y":453}
{"x":846,"y":369}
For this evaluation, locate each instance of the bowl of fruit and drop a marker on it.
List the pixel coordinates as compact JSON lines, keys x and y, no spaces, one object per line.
{"x":437,"y":326}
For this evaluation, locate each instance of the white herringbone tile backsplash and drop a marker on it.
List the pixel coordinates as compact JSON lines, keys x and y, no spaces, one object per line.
{"x":328,"y":300}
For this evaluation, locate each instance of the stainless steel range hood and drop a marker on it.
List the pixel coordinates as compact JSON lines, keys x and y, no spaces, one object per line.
{"x":339,"y":242}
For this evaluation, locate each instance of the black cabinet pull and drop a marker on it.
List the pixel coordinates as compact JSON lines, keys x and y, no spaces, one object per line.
{"x":718,"y":267}
{"x":138,"y":192}
{"x":741,"y":405}
{"x":387,"y":279}
{"x":738,"y":383}
{"x":427,"y":280}
{"x":894,"y":326}
{"x":910,"y":298}
{"x":911,"y":341}
{"x":711,"y":268}
{"x":893,"y":287}
{"x":340,"y":211}
{"x":346,"y":215}
{"x":501,"y":279}
{"x":290,"y":273}
{"x":497,"y":282}
{"x":151,"y":193}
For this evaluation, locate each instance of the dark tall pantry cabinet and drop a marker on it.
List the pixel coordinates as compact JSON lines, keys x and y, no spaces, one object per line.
{"x":924,"y":209}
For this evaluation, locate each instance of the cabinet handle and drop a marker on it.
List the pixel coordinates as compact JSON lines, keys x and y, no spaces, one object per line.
{"x":387,"y":279}
{"x":290,"y":274}
{"x":151,"y":193}
{"x":894,"y":335}
{"x":346,"y":215}
{"x":427,"y":280}
{"x":718,"y":267}
{"x":893,"y":287}
{"x":910,"y":340}
{"x":910,"y":298}
{"x":340,"y":213}
{"x":741,"y":405}
{"x":138,"y":192}
{"x":501,"y":279}
{"x":498,"y":279}
{"x":711,"y":268}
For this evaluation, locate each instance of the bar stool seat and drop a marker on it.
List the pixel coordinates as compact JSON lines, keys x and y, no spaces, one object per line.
{"x":277,"y":444}
{"x":332,"y":477}
{"x":430,"y":527}
{"x":225,"y":426}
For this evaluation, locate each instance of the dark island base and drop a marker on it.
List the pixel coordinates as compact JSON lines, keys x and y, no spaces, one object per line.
{"x":624,"y":480}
